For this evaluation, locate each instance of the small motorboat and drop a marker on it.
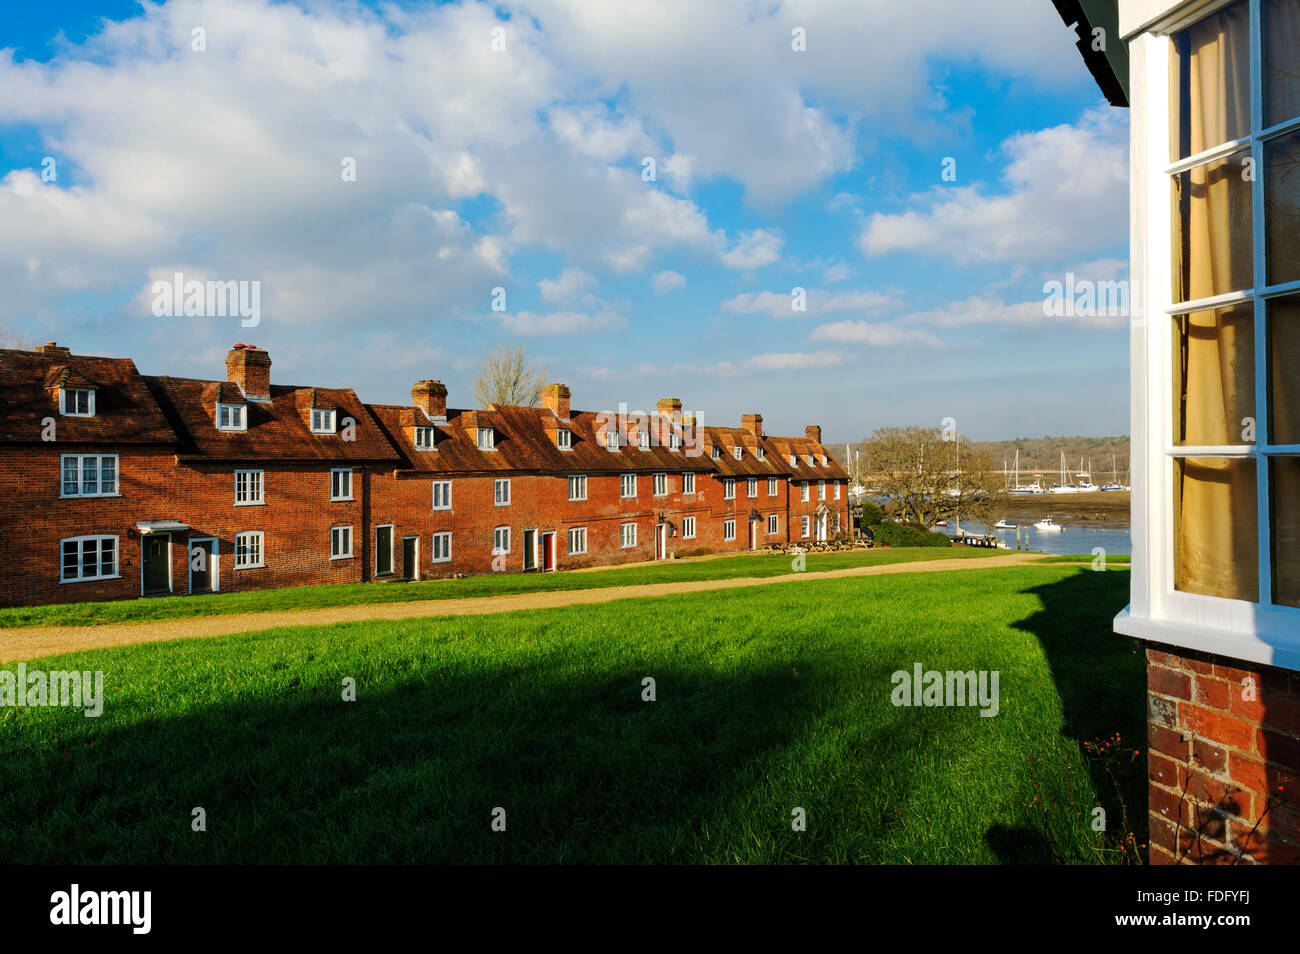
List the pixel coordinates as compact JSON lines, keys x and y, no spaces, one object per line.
{"x":1003,"y":525}
{"x":942,"y":523}
{"x":1047,"y":523}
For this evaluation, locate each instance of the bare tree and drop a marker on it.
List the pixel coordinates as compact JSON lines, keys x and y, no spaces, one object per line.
{"x":508,"y":378}
{"x":928,"y":478}
{"x":13,"y":340}
{"x":982,"y":493}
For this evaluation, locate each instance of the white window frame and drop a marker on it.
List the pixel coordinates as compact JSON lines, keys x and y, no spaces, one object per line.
{"x":738,"y":452}
{"x":238,"y":414}
{"x":729,"y":488}
{"x":243,"y":550}
{"x":1258,"y":631}
{"x":612,"y":441}
{"x":65,"y":393}
{"x":773,"y":486}
{"x":335,"y":478}
{"x":444,"y":485}
{"x":659,"y":485}
{"x":442,"y":538}
{"x":751,"y":487}
{"x":821,"y":490}
{"x":805,"y":491}
{"x":341,"y":533}
{"x":674,"y":441}
{"x":624,"y":482}
{"x":578,"y":534}
{"x":688,"y":528}
{"x":498,"y":498}
{"x":773,"y":524}
{"x":99,"y":460}
{"x":486,"y":439}
{"x":626,"y":539}
{"x":643,"y":440}
{"x":728,"y":530}
{"x":98,"y":539}
{"x":688,"y":482}
{"x":804,"y":526}
{"x":577,"y":486}
{"x":564,"y":438}
{"x":252,"y":480}
{"x":715,"y":452}
{"x":499,"y":534}
{"x":323,"y":421}
{"x":424,"y":439}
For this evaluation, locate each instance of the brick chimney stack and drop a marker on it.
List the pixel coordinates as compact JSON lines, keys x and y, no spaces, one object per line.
{"x":813,"y":432}
{"x":752,"y":423}
{"x":555,"y":398}
{"x":431,"y":398}
{"x":53,"y":349}
{"x":250,"y":367}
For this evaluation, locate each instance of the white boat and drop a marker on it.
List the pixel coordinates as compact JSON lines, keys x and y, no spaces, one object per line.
{"x":1047,"y":524}
{"x":1065,"y":487}
{"x":1003,"y":525}
{"x":1113,"y":483}
{"x":1026,"y":490}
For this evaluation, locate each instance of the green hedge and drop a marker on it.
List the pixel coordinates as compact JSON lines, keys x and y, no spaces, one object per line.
{"x":905,"y":535}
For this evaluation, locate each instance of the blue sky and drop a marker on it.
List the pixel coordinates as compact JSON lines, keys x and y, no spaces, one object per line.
{"x":522,"y":168}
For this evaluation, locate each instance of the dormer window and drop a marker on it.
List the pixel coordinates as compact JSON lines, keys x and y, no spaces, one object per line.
{"x":424,"y":438}
{"x":77,"y":402}
{"x":794,"y":461}
{"x":809,"y":459}
{"x":738,"y":453}
{"x":611,"y":440}
{"x":758,"y":452}
{"x":322,"y":422}
{"x":715,"y":452}
{"x":675,"y":442}
{"x":564,"y":438}
{"x":825,"y":462}
{"x":643,"y":440}
{"x":487,"y":439}
{"x":232,"y":417}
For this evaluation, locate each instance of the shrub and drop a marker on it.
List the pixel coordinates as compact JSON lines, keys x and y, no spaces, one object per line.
{"x":872,"y":514}
{"x":907,"y":535}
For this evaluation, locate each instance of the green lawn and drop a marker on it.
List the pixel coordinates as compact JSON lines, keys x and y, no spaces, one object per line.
{"x":352,"y":594}
{"x":768,"y":698}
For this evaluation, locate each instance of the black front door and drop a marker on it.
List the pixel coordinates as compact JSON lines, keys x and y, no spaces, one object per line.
{"x":383,"y":551}
{"x":157,"y":579}
{"x":203,"y":571}
{"x":408,"y":557}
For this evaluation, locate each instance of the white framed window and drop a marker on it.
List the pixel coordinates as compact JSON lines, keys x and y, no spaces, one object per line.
{"x":835,"y":522}
{"x":803,"y":526}
{"x":340,"y":543}
{"x":501,"y":540}
{"x":424,"y":440}
{"x":738,"y":453}
{"x":89,"y":475}
{"x":825,"y":461}
{"x":643,"y":440}
{"x":249,"y":485}
{"x":674,"y":441}
{"x":564,"y":438}
{"x":577,"y":540}
{"x":728,"y":530}
{"x":759,"y":453}
{"x":688,"y":528}
{"x":837,"y":490}
{"x":611,"y":440}
{"x":87,"y":558}
{"x":751,"y":487}
{"x":627,"y":485}
{"x":729,"y":488}
{"x":773,"y":486}
{"x":715,"y":452}
{"x":501,"y":491}
{"x":341,"y":483}
{"x":821,"y":490}
{"x":660,"y":485}
{"x":323,"y":421}
{"x":773,"y":524}
{"x":442,"y":495}
{"x":441,"y":548}
{"x":794,"y":461}
{"x":248,"y":549}
{"x":486,"y":439}
{"x":232,"y":417}
{"x":577,"y":487}
{"x":804,"y":490}
{"x":808,"y":459}
{"x":627,"y":535}
{"x":77,"y":402}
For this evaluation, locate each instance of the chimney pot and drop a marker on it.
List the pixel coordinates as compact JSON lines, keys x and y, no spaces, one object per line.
{"x":430,"y":396}
{"x":555,"y":398}
{"x":250,"y":368}
{"x":813,"y":432}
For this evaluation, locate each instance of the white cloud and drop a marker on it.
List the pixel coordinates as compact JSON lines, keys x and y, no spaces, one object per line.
{"x":874,"y":335}
{"x":754,"y":249}
{"x":816,"y":302}
{"x":529,"y":324}
{"x":1064,"y":193}
{"x":839,"y":272}
{"x":668,"y":281}
{"x":571,"y":285}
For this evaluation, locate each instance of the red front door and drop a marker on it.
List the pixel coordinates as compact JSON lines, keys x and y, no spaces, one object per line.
{"x":548,"y":551}
{"x":661,"y":539}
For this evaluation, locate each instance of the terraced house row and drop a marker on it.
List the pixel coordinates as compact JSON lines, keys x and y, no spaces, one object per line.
{"x":115,"y":484}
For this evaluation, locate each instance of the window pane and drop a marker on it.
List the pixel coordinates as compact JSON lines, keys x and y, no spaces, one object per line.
{"x":1214,"y":375}
{"x":1284,"y":370}
{"x":1213,"y":253}
{"x":89,"y":557}
{"x":70,"y":473}
{"x":1284,"y":487}
{"x":108,"y":475}
{"x":107,"y":549}
{"x":1281,"y":61}
{"x":1210,"y":82}
{"x":70,"y":560}
{"x":1282,"y":208}
{"x":1215,"y":533}
{"x":89,"y":475}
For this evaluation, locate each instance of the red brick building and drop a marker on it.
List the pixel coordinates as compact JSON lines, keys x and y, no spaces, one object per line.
{"x":116,"y":485}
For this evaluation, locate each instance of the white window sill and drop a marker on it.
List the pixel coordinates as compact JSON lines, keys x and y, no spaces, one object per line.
{"x":1210,"y":639}
{"x":441,"y":560}
{"x":249,"y":566}
{"x":346,"y":556}
{"x":85,"y":496}
{"x":92,"y":579}
{"x":251,"y":503}
{"x":342,"y":499}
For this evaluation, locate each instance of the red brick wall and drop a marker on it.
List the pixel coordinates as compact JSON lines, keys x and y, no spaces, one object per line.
{"x":1224,"y":753}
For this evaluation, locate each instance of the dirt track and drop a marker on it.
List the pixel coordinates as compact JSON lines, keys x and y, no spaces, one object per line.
{"x":35,"y":641}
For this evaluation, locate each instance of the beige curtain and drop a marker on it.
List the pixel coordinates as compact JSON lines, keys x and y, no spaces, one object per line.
{"x":1210,"y":80}
{"x":1214,"y":360}
{"x":1216,"y":543}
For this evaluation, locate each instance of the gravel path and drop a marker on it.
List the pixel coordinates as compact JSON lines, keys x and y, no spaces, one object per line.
{"x":31,"y":642}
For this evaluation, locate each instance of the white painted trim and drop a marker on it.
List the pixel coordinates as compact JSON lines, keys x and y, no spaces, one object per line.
{"x":392,"y":564}
{"x":214,"y":570}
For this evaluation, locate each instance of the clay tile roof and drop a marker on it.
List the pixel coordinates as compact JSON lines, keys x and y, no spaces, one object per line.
{"x":276,"y":428}
{"x":125,"y":409}
{"x":803,"y":446}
